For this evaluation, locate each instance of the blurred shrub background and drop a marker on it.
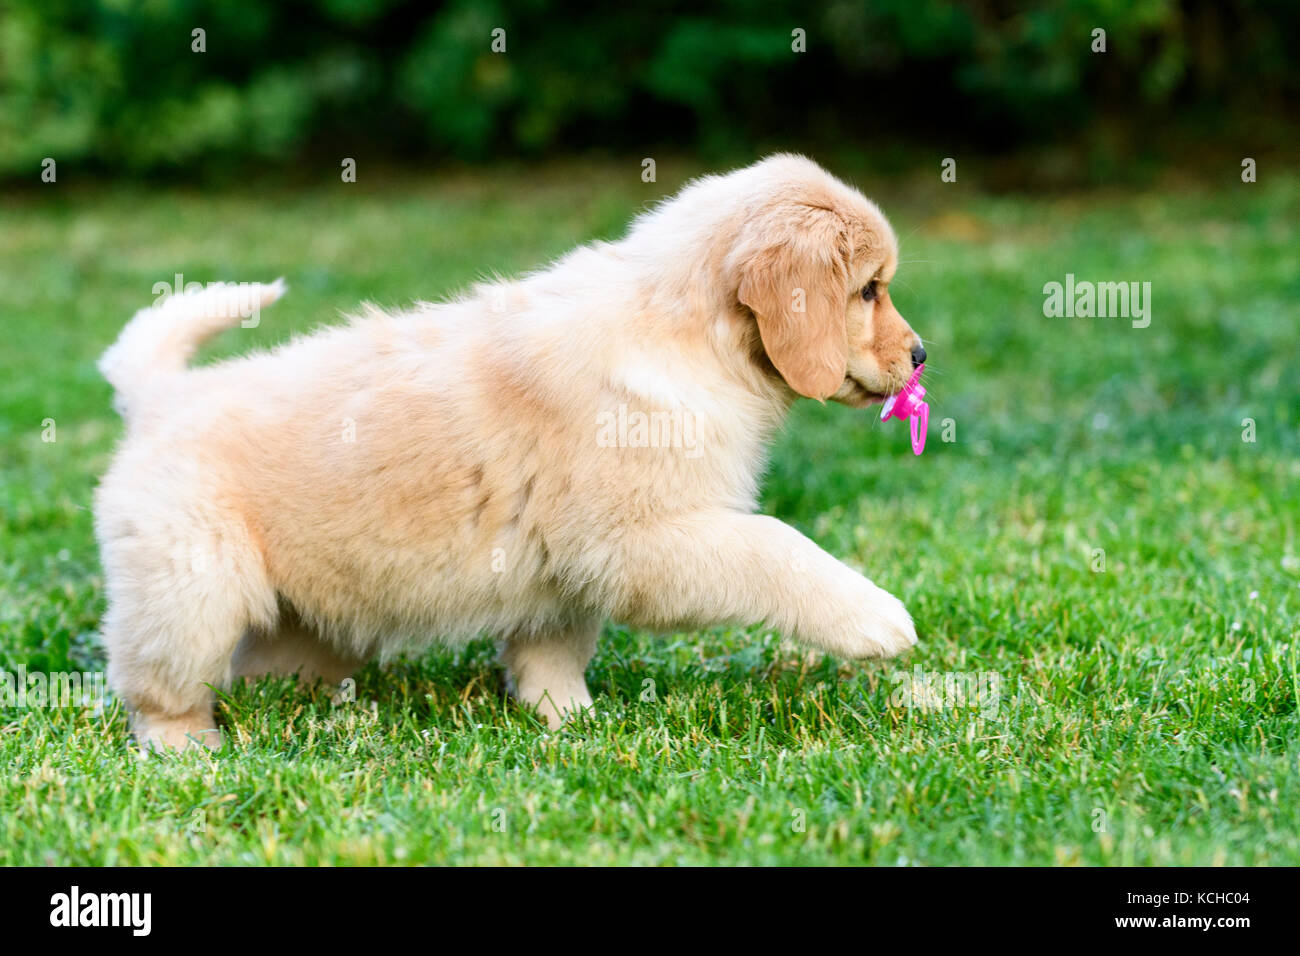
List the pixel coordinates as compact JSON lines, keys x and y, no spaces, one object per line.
{"x":113,"y":84}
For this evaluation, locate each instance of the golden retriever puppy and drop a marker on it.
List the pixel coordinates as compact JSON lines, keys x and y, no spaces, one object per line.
{"x":525,"y":461}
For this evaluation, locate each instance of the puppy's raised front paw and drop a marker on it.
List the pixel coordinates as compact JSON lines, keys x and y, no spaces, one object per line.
{"x":893,"y":631}
{"x":876,"y":624}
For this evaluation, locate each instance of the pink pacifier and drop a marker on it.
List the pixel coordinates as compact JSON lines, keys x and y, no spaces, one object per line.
{"x":908,"y":404}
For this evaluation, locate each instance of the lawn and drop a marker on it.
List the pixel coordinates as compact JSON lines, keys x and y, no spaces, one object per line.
{"x":1100,"y":549}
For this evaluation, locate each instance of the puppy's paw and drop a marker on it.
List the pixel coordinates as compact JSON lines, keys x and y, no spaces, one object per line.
{"x":559,"y":709}
{"x":875,"y":624}
{"x":890,"y":630}
{"x":575,"y":712}
{"x":159,"y":732}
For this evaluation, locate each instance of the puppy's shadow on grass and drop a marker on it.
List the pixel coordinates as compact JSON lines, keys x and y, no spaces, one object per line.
{"x":446,"y":690}
{"x":725,"y":684}
{"x":716,"y":685}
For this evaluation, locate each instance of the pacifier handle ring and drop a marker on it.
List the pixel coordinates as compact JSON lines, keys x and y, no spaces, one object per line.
{"x":921,"y":418}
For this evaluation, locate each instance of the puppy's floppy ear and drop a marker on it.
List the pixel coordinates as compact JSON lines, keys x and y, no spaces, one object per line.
{"x":791,"y":263}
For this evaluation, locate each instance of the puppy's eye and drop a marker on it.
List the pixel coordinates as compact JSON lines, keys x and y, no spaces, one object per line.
{"x":869,"y":292}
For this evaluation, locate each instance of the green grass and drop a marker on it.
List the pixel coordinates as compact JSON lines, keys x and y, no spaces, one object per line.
{"x":1146,"y":713}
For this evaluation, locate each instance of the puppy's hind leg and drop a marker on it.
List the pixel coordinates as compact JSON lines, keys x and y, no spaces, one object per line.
{"x":292,"y":649}
{"x":548,"y":670}
{"x":182,"y":589}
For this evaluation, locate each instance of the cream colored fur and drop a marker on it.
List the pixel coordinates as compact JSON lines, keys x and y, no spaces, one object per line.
{"x":438,"y":474}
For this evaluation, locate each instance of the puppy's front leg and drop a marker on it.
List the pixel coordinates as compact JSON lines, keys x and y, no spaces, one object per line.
{"x":547,"y":671}
{"x":726,"y":567}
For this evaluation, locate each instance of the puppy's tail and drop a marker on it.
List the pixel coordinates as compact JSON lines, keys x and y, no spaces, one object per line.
{"x":159,"y":341}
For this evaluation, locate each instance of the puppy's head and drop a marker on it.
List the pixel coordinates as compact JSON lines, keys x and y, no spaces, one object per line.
{"x":813,"y":260}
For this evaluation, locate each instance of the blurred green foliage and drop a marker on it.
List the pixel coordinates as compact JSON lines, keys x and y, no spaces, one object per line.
{"x":115,"y":84}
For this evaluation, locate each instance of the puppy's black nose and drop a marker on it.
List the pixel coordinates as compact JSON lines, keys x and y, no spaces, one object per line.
{"x":918,"y":355}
